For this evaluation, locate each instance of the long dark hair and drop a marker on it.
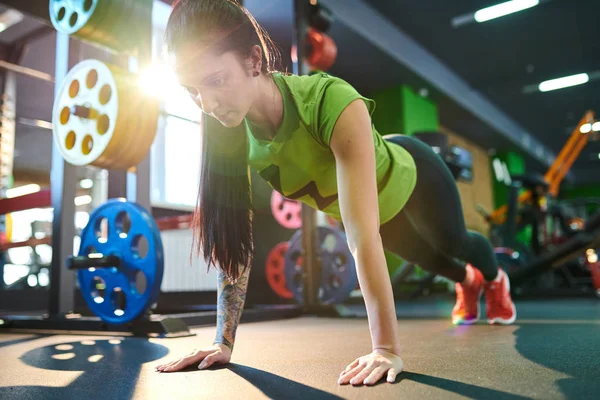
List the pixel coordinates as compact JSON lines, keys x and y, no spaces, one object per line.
{"x":222,"y":220}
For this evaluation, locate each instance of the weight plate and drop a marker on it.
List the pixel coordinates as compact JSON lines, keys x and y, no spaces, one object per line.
{"x":274,"y":270}
{"x":338,"y":269}
{"x":69,"y":16}
{"x":122,"y":121}
{"x":89,"y":84}
{"x":121,"y":25}
{"x":287,"y":212}
{"x":114,"y":294}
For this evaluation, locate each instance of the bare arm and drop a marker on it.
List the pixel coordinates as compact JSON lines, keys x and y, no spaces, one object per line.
{"x":352,"y":145}
{"x":230,"y":304}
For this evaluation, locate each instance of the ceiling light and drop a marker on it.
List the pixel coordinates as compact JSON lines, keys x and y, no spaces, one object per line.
{"x":502,"y":9}
{"x":585,"y":128}
{"x":83,"y":200}
{"x":565,"y":82}
{"x":596,"y":126}
{"x":86,"y":183}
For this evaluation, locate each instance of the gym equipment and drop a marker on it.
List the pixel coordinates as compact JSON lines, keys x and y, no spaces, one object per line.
{"x":320,"y":17}
{"x":595,"y":272}
{"x":338,"y":270}
{"x":554,"y":257}
{"x":120,"y":263}
{"x":274,"y":270}
{"x":116,"y":24}
{"x":322,"y":50}
{"x":286,"y":211}
{"x":572,"y":249}
{"x":559,"y":169}
{"x":119,"y":268}
{"x":102,"y":118}
{"x":109,"y":103}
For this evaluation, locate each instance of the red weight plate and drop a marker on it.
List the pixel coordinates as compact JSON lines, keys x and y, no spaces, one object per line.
{"x":274,"y":270}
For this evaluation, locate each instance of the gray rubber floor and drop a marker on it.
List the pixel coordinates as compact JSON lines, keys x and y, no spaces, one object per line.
{"x":552,"y":352}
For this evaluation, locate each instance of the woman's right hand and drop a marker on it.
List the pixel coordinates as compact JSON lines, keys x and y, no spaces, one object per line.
{"x":217,"y":354}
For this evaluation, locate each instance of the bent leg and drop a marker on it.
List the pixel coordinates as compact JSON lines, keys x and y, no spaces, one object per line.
{"x":435,"y":212}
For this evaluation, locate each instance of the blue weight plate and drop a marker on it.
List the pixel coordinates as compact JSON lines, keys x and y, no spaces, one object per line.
{"x":338,"y":269}
{"x":104,"y":289}
{"x":293,"y":267}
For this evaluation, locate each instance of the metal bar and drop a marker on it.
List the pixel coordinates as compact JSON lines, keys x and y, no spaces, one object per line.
{"x":117,"y":183}
{"x":7,"y":129}
{"x":568,"y":154}
{"x":38,"y":123}
{"x":138,"y":179}
{"x":34,"y":123}
{"x":8,"y":90}
{"x":63,"y":187}
{"x":573,"y":248}
{"x":41,"y":199}
{"x":168,"y":114}
{"x":301,"y":7}
{"x":7,"y":143}
{"x":33,"y":73}
{"x":510,"y":226}
{"x":174,"y":223}
{"x":166,"y":326}
{"x":311,"y":268}
{"x":27,"y":243}
{"x":378,"y":30}
{"x":138,"y":184}
{"x":568,"y":147}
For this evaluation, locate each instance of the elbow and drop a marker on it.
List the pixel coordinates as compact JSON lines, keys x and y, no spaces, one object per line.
{"x":359,"y":238}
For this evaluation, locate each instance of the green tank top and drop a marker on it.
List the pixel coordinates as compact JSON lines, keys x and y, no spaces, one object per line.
{"x":298,"y":162}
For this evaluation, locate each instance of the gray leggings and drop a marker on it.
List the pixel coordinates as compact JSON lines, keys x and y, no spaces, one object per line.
{"x":430,"y":230}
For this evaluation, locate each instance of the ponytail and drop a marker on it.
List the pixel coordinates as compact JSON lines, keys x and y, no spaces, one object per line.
{"x":222,"y":220}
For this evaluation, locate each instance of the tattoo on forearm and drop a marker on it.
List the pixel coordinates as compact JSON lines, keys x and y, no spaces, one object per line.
{"x":230,"y":304}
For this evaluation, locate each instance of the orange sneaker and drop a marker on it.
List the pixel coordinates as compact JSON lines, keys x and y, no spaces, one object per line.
{"x":499,"y":305}
{"x":466,"y":309}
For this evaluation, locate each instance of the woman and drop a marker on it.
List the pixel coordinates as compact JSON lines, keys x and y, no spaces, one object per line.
{"x":312,"y":139}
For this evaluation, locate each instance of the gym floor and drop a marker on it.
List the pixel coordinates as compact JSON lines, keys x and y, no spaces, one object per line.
{"x":552,"y":352}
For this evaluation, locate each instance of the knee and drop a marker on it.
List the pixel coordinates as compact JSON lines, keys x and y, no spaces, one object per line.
{"x":454,"y":245}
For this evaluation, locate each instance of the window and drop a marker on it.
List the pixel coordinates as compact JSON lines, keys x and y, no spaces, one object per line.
{"x":176,"y":152}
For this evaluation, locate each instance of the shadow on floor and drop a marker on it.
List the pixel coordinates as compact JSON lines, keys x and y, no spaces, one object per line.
{"x":13,"y":342}
{"x":110,"y":367}
{"x":276,"y":387}
{"x":570,"y":348}
{"x":460,"y":388}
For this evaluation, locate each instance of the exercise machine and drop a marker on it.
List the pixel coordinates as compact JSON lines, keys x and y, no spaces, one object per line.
{"x":523,"y":264}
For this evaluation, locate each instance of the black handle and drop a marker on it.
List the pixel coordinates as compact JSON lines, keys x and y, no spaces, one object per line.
{"x":94,"y":260}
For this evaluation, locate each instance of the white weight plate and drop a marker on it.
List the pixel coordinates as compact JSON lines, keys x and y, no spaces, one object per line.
{"x":73,"y":12}
{"x":82,"y":126}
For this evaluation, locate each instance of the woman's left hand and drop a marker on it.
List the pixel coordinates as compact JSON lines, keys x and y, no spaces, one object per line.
{"x":371,"y":368}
